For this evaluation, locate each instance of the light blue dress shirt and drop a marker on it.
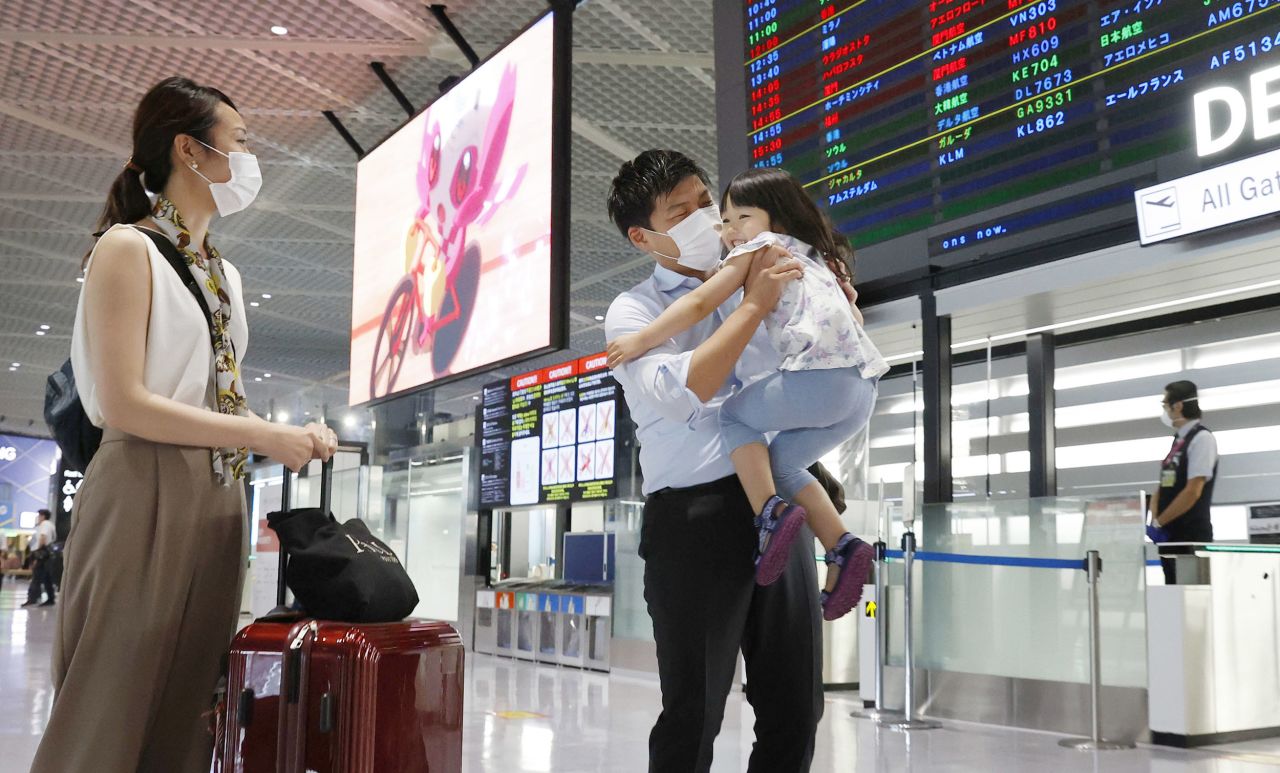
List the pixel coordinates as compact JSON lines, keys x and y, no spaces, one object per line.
{"x":679,"y":435}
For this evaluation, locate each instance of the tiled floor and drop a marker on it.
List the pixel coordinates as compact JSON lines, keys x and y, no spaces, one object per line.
{"x":522,"y":717}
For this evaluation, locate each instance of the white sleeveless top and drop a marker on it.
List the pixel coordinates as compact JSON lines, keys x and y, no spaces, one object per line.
{"x":179,"y":358}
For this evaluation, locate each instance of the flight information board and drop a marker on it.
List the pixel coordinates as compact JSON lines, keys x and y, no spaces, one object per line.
{"x":551,"y":435}
{"x":908,"y":116}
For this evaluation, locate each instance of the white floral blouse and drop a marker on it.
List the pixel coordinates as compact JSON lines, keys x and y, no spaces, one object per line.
{"x":813,"y":327}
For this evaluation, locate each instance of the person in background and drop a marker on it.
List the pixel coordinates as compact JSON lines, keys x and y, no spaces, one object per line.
{"x":41,"y":560}
{"x":1180,"y":506}
{"x":10,"y":561}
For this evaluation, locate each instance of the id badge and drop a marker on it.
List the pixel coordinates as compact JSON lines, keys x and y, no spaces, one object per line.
{"x":1168,"y":478}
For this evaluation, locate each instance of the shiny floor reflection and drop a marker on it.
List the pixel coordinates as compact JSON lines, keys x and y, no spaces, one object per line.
{"x":523,"y":717}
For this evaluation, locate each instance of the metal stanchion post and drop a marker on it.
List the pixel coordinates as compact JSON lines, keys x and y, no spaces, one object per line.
{"x":1093,"y":568}
{"x":879,"y":580}
{"x":909,"y":721}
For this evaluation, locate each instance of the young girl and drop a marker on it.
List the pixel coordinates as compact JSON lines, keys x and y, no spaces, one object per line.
{"x":823,"y":392}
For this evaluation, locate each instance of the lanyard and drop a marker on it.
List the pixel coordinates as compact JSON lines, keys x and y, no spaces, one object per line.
{"x":1178,"y":445}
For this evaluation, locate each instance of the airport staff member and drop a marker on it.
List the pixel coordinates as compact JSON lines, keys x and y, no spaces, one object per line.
{"x":1181,"y":503}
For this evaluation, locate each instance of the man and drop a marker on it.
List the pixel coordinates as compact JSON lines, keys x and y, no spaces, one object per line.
{"x":698,"y":537}
{"x":42,"y":555}
{"x":1181,"y":504}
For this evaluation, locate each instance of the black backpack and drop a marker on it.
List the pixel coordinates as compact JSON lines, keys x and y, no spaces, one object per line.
{"x":76,"y":436}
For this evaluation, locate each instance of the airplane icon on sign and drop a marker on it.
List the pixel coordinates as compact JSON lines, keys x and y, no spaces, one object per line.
{"x":1160,"y":211}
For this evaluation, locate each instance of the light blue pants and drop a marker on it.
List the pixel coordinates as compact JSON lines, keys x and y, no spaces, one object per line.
{"x":813,"y":411}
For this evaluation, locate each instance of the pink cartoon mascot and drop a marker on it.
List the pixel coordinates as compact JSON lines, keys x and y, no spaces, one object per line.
{"x":460,"y":185}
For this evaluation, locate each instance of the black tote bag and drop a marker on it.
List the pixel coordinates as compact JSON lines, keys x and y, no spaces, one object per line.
{"x":340,"y":571}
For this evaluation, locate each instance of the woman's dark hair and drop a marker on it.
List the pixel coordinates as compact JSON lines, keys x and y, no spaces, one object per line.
{"x":792,"y":212}
{"x":1184,"y":392}
{"x":173,"y":106}
{"x":642,"y":180}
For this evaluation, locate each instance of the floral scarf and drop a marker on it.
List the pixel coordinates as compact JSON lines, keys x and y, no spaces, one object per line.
{"x":228,"y":463}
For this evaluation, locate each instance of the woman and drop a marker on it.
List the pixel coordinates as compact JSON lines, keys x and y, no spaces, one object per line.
{"x":157,"y":546}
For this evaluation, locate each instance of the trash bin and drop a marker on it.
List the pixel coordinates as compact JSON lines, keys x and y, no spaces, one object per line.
{"x":571,"y":632}
{"x":505,"y":615}
{"x":599,"y":629}
{"x":486,"y":633}
{"x":527,"y":628}
{"x":548,"y":648}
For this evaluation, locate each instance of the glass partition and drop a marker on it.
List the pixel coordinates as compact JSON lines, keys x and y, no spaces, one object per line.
{"x":434,"y":537}
{"x":630,"y":613}
{"x":1026,"y":622}
{"x":417,"y":507}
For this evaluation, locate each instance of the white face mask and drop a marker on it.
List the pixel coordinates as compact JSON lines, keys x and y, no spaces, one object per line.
{"x":697,"y":240}
{"x":1166,"y":419}
{"x":239,"y":192}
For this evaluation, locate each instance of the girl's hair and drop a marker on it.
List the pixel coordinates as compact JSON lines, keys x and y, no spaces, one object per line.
{"x":173,"y":106}
{"x":792,"y":212}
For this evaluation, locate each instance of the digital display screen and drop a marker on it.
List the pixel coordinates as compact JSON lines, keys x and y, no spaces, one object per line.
{"x":973,"y":121}
{"x":551,"y":435}
{"x":26,"y":466}
{"x":454,"y":268}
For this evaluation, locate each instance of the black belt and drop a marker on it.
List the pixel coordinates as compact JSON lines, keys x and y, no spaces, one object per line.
{"x":725,"y":485}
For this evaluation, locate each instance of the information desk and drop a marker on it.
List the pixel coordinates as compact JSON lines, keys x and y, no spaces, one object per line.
{"x":1211,"y":649}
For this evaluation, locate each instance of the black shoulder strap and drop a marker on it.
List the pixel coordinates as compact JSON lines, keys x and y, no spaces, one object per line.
{"x":179,"y":264}
{"x":1196,"y":430}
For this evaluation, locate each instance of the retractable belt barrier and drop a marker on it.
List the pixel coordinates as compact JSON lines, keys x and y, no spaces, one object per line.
{"x":1091,"y":564}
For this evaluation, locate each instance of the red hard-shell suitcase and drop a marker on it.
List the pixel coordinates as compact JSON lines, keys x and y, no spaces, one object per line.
{"x":315,"y":695}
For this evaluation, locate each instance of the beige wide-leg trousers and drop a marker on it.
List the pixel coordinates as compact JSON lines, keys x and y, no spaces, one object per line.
{"x":150,"y":600}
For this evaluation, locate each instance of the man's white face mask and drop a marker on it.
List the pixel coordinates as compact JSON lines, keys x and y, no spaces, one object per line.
{"x":697,"y":239}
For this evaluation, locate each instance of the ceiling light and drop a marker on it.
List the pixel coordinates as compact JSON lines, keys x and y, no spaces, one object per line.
{"x":278,"y":30}
{"x":39,"y":332}
{"x":599,"y":318}
{"x":266,"y":375}
{"x":44,"y":327}
{"x":266,"y":296}
{"x":257,"y":378}
{"x":80,"y":279}
{"x":17,"y":365}
{"x":349,"y":421}
{"x":254,"y":304}
{"x":283,"y":418}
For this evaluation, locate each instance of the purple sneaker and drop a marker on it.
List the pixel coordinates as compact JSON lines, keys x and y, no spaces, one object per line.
{"x":777,"y":532}
{"x":854,"y":558}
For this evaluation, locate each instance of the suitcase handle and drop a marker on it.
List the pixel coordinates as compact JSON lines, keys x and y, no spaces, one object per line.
{"x":286,"y":503}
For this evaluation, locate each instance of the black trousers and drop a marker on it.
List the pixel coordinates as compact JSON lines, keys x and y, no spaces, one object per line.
{"x":699,"y":583}
{"x":41,"y":577}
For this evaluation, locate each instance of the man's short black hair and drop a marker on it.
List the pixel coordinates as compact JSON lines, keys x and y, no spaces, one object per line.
{"x":1184,"y":392}
{"x":44,"y":513}
{"x":642,"y":180}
